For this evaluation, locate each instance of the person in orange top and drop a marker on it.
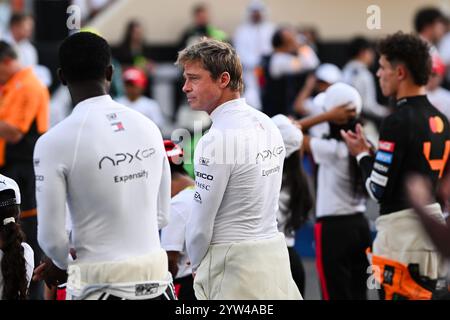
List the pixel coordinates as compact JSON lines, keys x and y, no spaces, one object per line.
{"x":24,"y":116}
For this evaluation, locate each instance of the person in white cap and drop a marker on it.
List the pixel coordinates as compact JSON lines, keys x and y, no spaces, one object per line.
{"x":295,"y":197}
{"x":16,"y":256}
{"x":136,"y":82}
{"x":253,"y":40}
{"x":307,"y":103}
{"x":342,"y":232}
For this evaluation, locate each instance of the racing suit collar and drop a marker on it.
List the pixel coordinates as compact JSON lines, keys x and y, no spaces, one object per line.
{"x":411,"y":100}
{"x":94,"y":100}
{"x":229,"y":105}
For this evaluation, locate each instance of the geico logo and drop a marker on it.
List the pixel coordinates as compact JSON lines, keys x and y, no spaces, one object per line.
{"x":204,"y":176}
{"x":119,"y":158}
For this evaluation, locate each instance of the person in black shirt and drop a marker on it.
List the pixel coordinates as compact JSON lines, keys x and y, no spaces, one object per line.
{"x":414,"y":139}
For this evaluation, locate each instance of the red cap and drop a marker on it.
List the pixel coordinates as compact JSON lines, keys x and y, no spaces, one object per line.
{"x":136,"y":77}
{"x":438,"y":66}
{"x":173,"y":151}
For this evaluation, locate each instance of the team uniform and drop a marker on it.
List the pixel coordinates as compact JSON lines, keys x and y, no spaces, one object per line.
{"x":109,"y":164}
{"x":341,"y":231}
{"x":173,"y":238}
{"x":232,"y":239}
{"x":415,"y":139}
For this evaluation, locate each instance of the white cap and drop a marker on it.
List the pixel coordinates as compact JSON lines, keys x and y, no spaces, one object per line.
{"x":319,"y":101}
{"x":256,"y":5}
{"x":329,"y":73}
{"x":292,"y":136}
{"x":9,"y":184}
{"x":341,"y":93}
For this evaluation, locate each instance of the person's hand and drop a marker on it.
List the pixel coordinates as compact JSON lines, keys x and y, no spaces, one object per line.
{"x":342,"y":114}
{"x":296,"y":123}
{"x":356,"y":141}
{"x":50,"y":273}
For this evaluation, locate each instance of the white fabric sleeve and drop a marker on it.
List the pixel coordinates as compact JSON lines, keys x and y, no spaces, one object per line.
{"x":173,"y":235}
{"x":164,"y":195}
{"x":327,"y":150}
{"x":211,"y":181}
{"x":51,"y":200}
{"x":28,"y":254}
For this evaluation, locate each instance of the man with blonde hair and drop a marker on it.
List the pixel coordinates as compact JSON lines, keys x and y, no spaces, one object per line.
{"x":232,"y":239}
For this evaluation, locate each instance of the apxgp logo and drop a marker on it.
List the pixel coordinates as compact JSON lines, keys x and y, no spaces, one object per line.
{"x":127,"y":157}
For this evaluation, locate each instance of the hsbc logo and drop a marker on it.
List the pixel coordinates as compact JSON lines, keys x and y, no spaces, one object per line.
{"x":203,"y":186}
{"x":204,"y":176}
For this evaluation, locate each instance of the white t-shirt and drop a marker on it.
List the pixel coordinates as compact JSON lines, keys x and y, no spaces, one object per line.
{"x":253,"y":41}
{"x":29,"y":264}
{"x":238,"y":167}
{"x":314,"y":107}
{"x":173,"y":236}
{"x":109,"y":164}
{"x":27,"y":53}
{"x":148,"y":107}
{"x":334,"y":186}
{"x":356,"y":74}
{"x":440,"y":98}
{"x":283,"y":63}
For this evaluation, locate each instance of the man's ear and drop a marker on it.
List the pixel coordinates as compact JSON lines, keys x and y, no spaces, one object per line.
{"x":61,"y":77}
{"x":401,"y":71}
{"x":224,"y":80}
{"x":109,"y":73}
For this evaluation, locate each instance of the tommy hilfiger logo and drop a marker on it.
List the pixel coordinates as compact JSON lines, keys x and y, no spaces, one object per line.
{"x":117,"y":126}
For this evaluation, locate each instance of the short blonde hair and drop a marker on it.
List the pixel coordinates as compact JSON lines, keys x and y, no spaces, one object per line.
{"x":216,"y":57}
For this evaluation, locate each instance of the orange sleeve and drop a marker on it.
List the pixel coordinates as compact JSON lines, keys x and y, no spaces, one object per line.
{"x":20,"y":108}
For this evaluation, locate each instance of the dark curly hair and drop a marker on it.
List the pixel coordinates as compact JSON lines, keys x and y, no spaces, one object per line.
{"x":13,"y":265}
{"x":409,"y":50}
